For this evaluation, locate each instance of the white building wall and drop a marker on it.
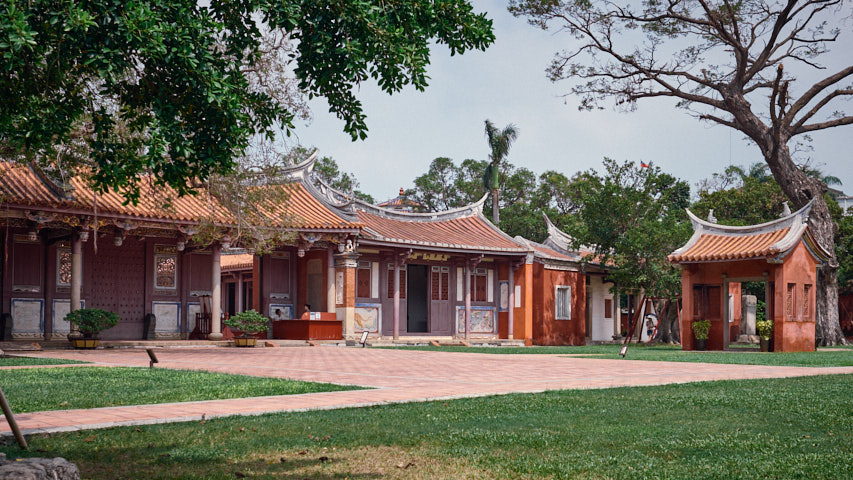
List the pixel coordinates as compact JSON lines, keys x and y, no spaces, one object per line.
{"x":602,"y":328}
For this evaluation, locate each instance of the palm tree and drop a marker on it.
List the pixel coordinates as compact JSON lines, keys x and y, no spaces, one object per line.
{"x":499,"y":143}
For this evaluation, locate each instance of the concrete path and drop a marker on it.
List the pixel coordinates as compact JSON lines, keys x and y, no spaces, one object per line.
{"x":395,"y":375}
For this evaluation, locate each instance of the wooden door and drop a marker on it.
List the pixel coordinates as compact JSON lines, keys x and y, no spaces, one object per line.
{"x":118,"y":285}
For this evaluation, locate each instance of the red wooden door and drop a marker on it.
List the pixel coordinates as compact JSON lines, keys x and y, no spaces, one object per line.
{"x":118,"y":285}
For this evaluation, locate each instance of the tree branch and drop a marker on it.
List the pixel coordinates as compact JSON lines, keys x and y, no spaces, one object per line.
{"x":824,"y":125}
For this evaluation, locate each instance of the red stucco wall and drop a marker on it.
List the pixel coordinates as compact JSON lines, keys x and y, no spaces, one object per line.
{"x":547,"y":330}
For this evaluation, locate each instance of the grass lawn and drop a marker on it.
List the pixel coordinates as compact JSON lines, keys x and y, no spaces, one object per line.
{"x":798,"y":428}
{"x":18,"y":361}
{"x":37,"y":389}
{"x":829,"y":357}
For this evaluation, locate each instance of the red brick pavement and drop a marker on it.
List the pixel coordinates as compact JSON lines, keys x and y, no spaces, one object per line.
{"x":396,"y":375}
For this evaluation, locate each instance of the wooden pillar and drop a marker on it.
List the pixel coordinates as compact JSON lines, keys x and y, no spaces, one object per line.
{"x":396,"y":296}
{"x":511,"y":302}
{"x":216,"y":292}
{"x":239,"y":295}
{"x":330,"y":281}
{"x":528,"y":297}
{"x":76,"y":270}
{"x":467,"y":298}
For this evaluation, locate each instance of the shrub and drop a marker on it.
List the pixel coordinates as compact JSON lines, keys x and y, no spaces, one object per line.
{"x":701,"y":329}
{"x":91,"y":321}
{"x":764,"y":328}
{"x":248,"y":322}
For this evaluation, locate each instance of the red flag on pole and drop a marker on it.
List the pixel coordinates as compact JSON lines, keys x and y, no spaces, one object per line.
{"x":644,"y":164}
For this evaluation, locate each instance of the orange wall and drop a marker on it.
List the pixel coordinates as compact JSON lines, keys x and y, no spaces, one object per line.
{"x":546,"y":329}
{"x":523,"y":316}
{"x":711,"y":274}
{"x":795,"y":333}
{"x":790,"y":334}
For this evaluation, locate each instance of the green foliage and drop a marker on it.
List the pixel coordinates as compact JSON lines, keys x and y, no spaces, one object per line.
{"x":37,"y":389}
{"x":844,"y":252}
{"x":164,"y":87}
{"x":632,"y":218}
{"x":92,"y":321}
{"x":446,"y":186}
{"x":741,"y":196}
{"x":701,"y":329}
{"x":328,"y":171}
{"x":248,"y":322}
{"x":764,"y":328}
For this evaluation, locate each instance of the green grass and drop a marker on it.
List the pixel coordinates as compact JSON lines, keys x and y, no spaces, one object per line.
{"x":18,"y":361}
{"x":799,"y":428}
{"x":672,"y":353}
{"x":37,"y":389}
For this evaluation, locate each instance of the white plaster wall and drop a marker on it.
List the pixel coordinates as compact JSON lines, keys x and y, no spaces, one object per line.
{"x":602,"y":328}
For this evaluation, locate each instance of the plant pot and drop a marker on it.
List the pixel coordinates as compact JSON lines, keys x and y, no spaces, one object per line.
{"x":85,"y":343}
{"x":765,"y":344}
{"x":245,"y":342}
{"x":701,"y":344}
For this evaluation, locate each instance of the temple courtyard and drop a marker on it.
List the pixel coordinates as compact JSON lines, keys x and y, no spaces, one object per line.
{"x":389,"y":375}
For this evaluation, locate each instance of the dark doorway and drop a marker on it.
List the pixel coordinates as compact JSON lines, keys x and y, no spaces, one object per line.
{"x":232,"y":299}
{"x":416,"y":297}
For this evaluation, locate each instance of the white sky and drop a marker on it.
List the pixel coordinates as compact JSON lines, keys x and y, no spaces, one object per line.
{"x":507,"y":84}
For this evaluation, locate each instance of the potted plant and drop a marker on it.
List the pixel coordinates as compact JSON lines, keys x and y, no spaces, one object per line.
{"x":90,"y":322}
{"x":248,"y":323}
{"x":763,"y":326}
{"x":700,"y":331}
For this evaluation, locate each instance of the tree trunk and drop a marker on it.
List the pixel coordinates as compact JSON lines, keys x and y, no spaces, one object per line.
{"x":800,"y":189}
{"x":496,"y":212}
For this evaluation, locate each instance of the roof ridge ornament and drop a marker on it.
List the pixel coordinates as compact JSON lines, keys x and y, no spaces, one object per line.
{"x":713,"y":219}
{"x":786,"y":210}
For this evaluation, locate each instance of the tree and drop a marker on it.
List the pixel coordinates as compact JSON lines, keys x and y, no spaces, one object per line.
{"x":328,"y":171}
{"x":723,"y":61}
{"x":163,"y":87}
{"x":632,"y":218}
{"x":741,"y":196}
{"x":500,"y":142}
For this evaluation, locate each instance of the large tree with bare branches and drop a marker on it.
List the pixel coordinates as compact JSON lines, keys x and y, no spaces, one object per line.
{"x":723,"y":61}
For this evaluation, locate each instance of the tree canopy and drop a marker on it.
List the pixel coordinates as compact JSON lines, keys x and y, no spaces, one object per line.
{"x":129,"y":87}
{"x":632,"y":218}
{"x":756,"y":66}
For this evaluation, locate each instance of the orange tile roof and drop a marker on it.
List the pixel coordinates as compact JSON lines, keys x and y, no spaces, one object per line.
{"x":238,"y":261}
{"x":730,"y":247}
{"x":712,"y":242}
{"x":20,"y":185}
{"x":464,"y":232}
{"x":303,"y":210}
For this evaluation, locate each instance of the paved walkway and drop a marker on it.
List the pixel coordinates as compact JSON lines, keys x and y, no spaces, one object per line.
{"x":396,"y":375}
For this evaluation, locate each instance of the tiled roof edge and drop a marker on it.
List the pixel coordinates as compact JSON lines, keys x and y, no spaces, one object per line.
{"x":778,"y":224}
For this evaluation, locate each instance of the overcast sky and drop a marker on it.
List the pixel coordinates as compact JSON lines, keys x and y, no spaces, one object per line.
{"x":507,"y":84}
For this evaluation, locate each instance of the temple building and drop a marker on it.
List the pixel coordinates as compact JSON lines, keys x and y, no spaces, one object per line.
{"x":782,"y":255}
{"x":346,"y":267}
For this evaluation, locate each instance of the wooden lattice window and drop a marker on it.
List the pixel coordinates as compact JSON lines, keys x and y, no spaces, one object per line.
{"x":807,"y":301}
{"x":165,"y":271}
{"x":790,"y":301}
{"x":63,"y":267}
{"x":391,"y":281}
{"x":362,"y":280}
{"x":479,"y":285}
{"x":440,"y":283}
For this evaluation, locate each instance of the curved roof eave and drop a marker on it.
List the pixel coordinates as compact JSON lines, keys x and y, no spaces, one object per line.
{"x":778,"y":224}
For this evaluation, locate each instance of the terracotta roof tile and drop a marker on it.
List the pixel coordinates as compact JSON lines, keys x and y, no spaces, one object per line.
{"x":469,"y":232}
{"x":711,"y":247}
{"x":303,"y":210}
{"x":19,"y":185}
{"x":238,"y":261}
